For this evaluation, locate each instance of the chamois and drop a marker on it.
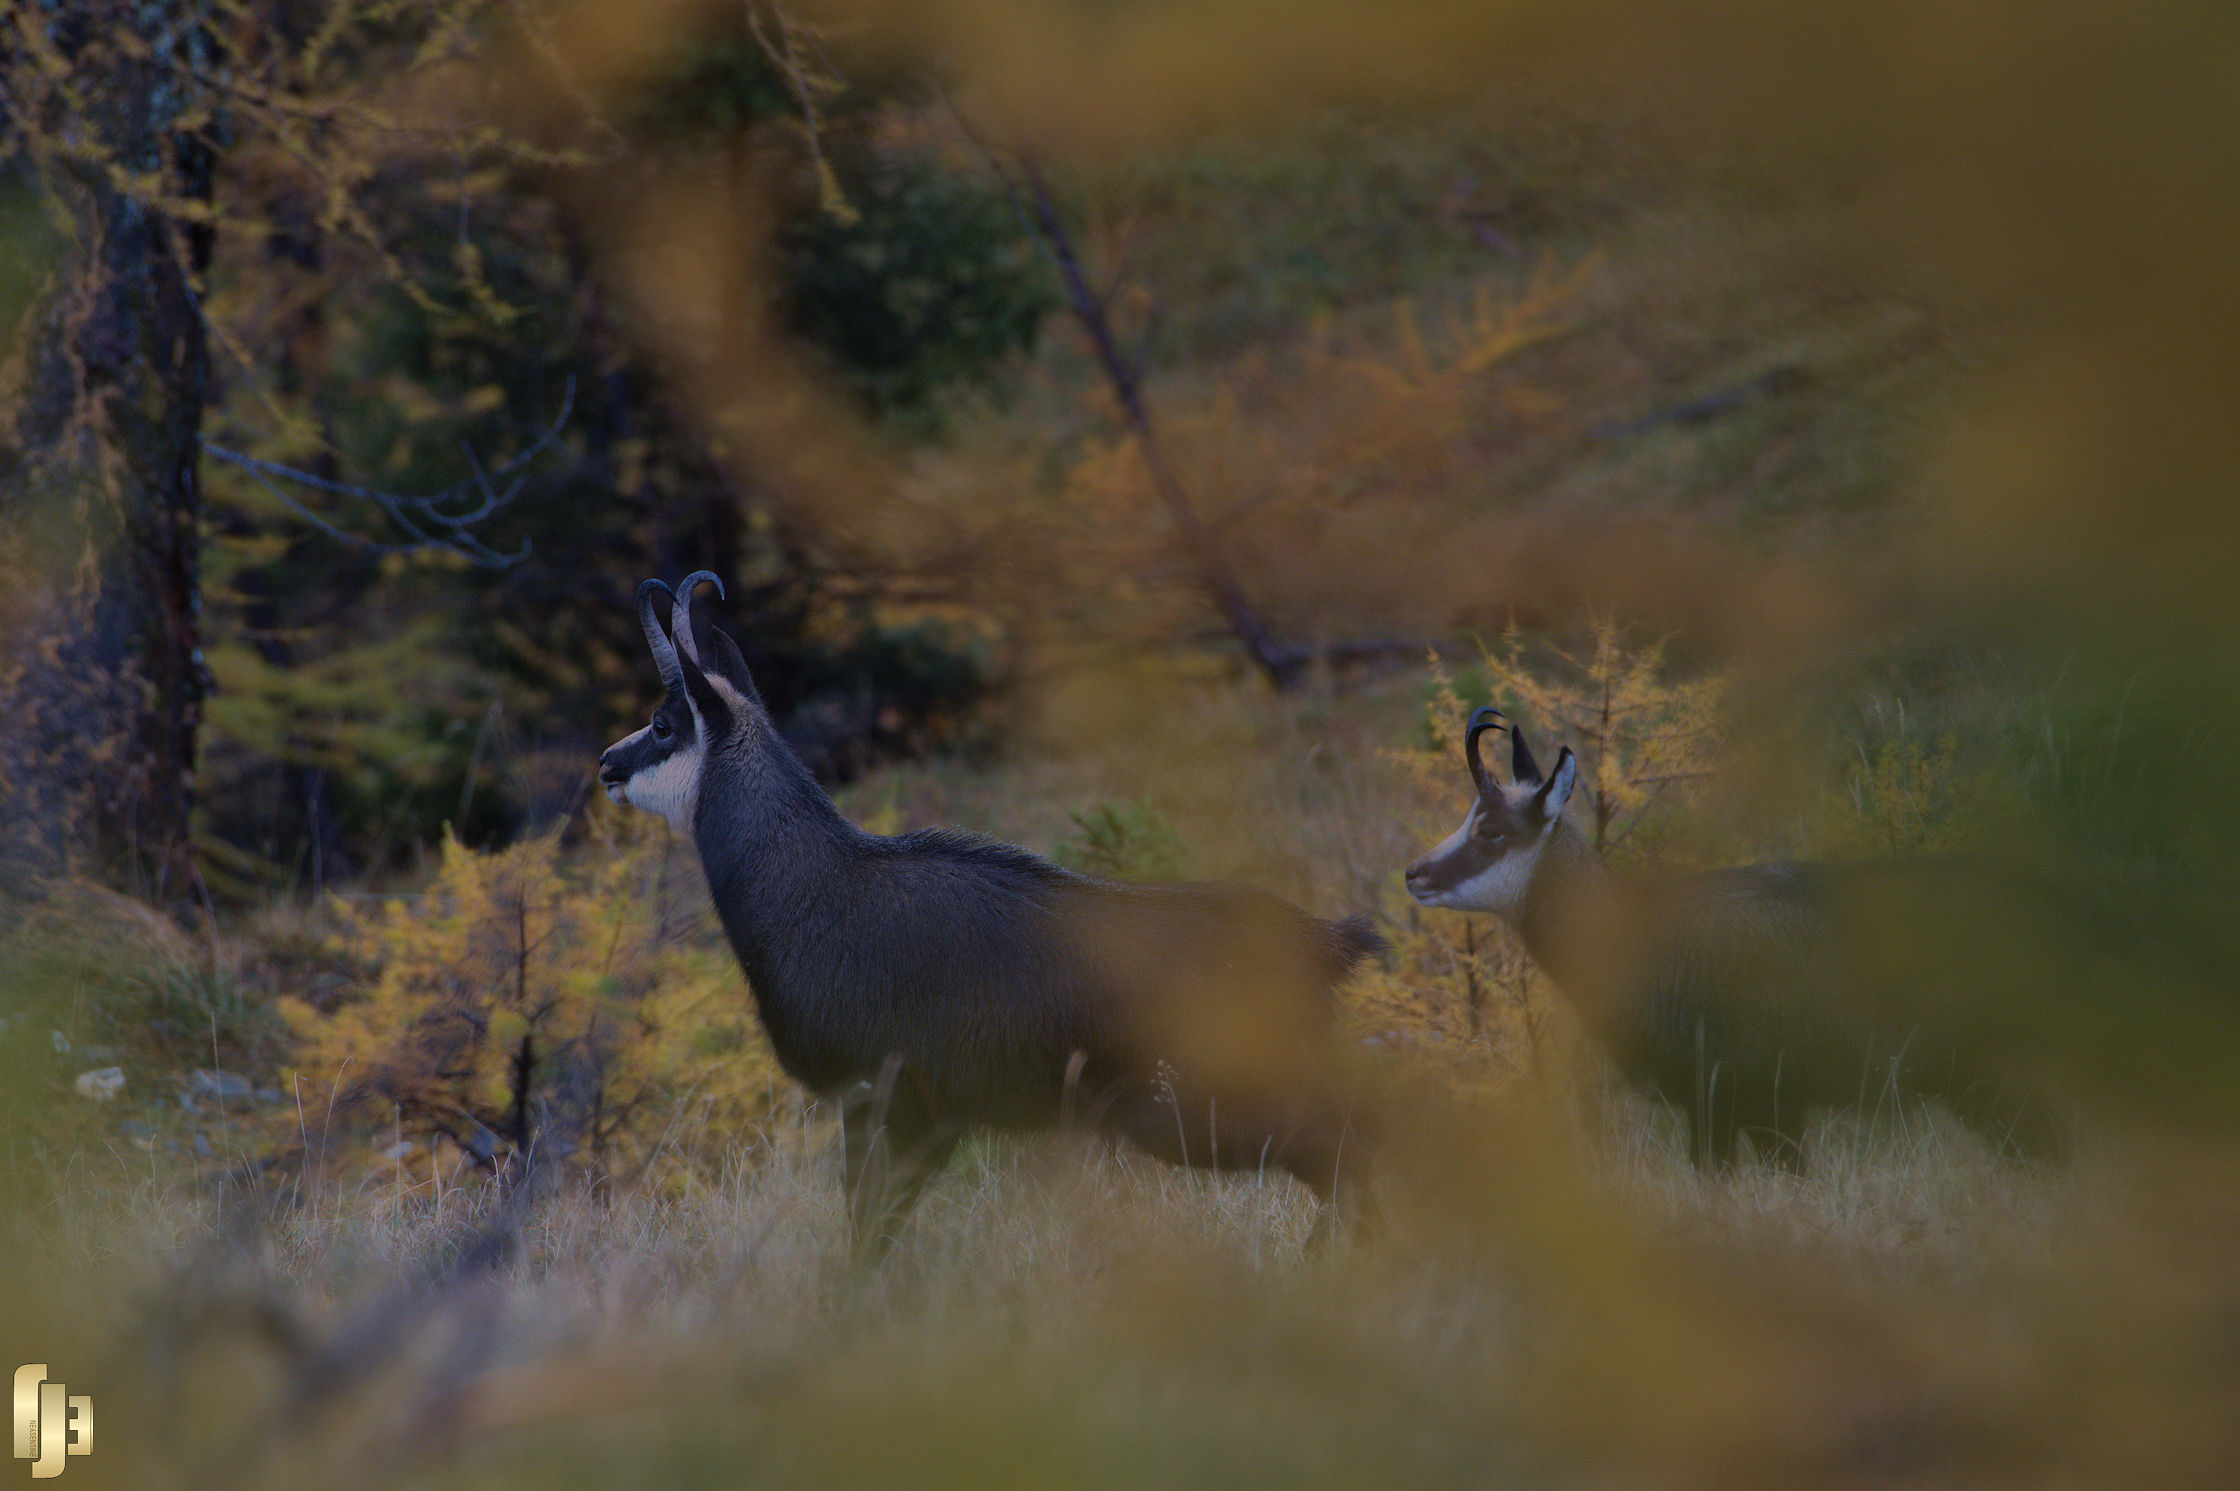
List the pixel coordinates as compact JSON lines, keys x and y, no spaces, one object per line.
{"x":1747,"y":996}
{"x":939,"y":981}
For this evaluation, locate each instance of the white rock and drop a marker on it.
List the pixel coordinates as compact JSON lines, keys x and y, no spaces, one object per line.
{"x":101,"y":1084}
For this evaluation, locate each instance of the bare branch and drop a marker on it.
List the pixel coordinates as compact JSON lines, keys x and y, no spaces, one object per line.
{"x":785,"y":54}
{"x":1093,"y":310}
{"x":1285,"y":663}
{"x":422,"y":518}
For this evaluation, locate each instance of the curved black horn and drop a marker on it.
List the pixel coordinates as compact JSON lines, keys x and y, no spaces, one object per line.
{"x":664,"y":651}
{"x":681,"y":621}
{"x":1485,"y":717}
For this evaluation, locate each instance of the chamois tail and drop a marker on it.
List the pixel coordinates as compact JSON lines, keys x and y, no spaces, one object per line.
{"x":1350,"y":940}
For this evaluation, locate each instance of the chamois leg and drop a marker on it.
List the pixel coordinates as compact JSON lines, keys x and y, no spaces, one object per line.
{"x":891,"y":1146}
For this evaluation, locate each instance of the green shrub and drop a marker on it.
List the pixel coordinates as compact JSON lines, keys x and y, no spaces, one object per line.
{"x":1124,"y":840}
{"x":929,"y":280}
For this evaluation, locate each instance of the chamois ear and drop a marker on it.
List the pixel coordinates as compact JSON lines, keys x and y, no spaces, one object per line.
{"x":707,"y":700}
{"x":1548,"y":802}
{"x":721,"y":655}
{"x":1523,"y":770}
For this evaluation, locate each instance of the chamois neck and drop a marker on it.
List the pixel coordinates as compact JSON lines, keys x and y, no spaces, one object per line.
{"x":1570,"y":909}
{"x":763,"y":821}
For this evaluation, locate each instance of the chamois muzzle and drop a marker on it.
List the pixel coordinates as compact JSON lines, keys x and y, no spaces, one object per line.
{"x":1434,"y":874}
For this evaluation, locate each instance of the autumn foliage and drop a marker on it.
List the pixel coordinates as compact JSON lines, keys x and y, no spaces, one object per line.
{"x":526,"y":1006}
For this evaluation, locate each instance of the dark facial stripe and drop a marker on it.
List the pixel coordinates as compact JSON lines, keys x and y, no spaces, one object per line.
{"x":1447,"y":871}
{"x":1444,"y":869}
{"x":643,"y":750}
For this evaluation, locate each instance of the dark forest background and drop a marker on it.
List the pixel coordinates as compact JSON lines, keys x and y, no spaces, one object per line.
{"x":407,"y":455}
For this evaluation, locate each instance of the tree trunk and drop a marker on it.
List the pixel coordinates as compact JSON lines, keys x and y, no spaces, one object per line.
{"x":101,"y":674}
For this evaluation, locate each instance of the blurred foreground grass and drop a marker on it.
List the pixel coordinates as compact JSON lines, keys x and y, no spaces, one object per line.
{"x":1911,"y":1312}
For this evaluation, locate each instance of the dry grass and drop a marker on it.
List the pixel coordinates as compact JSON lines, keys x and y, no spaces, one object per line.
{"x":1557,"y":1298}
{"x":1059,"y":1312}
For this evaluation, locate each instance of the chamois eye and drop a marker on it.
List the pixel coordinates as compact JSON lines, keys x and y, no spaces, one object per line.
{"x":661,"y":730}
{"x":1489,"y":833}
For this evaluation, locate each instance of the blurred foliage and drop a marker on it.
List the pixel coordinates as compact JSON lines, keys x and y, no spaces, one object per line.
{"x":927,"y":281}
{"x":1246,"y":234}
{"x":30,"y":240}
{"x":1330,"y":461}
{"x":1908,"y":798}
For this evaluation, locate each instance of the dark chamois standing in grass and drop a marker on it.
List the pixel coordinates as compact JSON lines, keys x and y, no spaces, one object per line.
{"x":1750,"y":996}
{"x":938,"y":981}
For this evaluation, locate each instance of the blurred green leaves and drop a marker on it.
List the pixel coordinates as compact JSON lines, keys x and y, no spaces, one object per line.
{"x":929,"y":280}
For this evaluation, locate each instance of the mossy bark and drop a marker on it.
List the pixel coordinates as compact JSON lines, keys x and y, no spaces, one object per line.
{"x":101,"y":674}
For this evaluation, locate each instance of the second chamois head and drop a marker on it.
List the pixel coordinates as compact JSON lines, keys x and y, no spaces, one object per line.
{"x":1489,"y":862}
